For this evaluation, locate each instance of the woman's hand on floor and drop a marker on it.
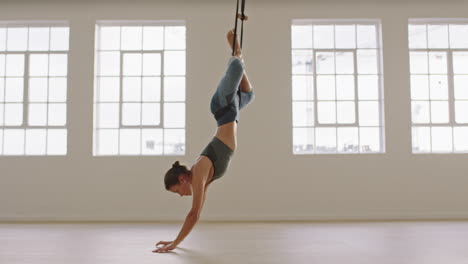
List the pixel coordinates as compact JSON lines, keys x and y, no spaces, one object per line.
{"x":166,"y":246}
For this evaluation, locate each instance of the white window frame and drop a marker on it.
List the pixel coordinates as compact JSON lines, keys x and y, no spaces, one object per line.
{"x":379,"y":48}
{"x":139,"y":23}
{"x":450,"y":81}
{"x":26,"y":77}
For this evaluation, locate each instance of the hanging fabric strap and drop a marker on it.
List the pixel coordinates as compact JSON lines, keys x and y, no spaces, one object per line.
{"x":242,"y":18}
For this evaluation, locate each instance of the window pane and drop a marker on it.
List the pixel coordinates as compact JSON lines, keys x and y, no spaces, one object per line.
{"x":461,"y":86}
{"x":131,"y":114}
{"x":325,"y":62}
{"x":461,"y":112}
{"x":13,"y":142}
{"x":151,"y":114}
{"x":38,"y":89}
{"x":152,"y":141}
{"x":301,"y":37}
{"x":153,"y":38}
{"x":2,"y":109}
{"x":2,"y":46}
{"x":57,"y":114}
{"x":109,"y":89}
{"x":174,"y":115}
{"x":58,"y":65}
{"x":1,"y":135}
{"x":174,"y":89}
{"x":437,"y":62}
{"x":131,"y":89}
{"x":370,"y":139}
{"x":58,"y":89}
{"x":13,"y":114}
{"x":14,"y":90}
{"x":37,"y":115}
{"x":460,"y":139}
{"x":441,"y":139}
{"x":130,"y":141}
{"x":458,"y":36}
{"x":439,"y":112}
{"x":151,"y":64}
{"x":421,"y":139}
{"x":109,"y":63}
{"x":108,"y":141}
{"x":57,"y":141}
{"x":417,"y":36}
{"x":460,"y":62}
{"x":109,"y":38}
{"x":326,"y":87}
{"x":174,"y":63}
{"x":303,"y":113}
{"x":152,"y":89}
{"x":419,"y":87}
{"x":2,"y":89}
{"x":369,"y":113}
{"x":39,"y":39}
{"x":368,"y":87}
{"x":419,"y":62}
{"x":326,"y":112}
{"x":303,"y":140}
{"x":59,"y":38}
{"x":366,"y":36}
{"x":2,"y":64}
{"x":420,"y":112}
{"x":132,"y":64}
{"x":438,"y":36}
{"x":174,"y":37}
{"x":39,"y":65}
{"x":15,"y":65}
{"x":346,"y":112}
{"x":303,"y":87}
{"x":325,"y":139}
{"x":439,"y":87}
{"x":17,"y":39}
{"x":324,"y":37}
{"x":344,"y":63}
{"x":348,"y":140}
{"x":107,"y":115}
{"x":302,"y":62}
{"x":132,"y":38}
{"x":36,"y":141}
{"x":345,"y":36}
{"x":174,"y":141}
{"x":345,"y":87}
{"x":367,"y":61}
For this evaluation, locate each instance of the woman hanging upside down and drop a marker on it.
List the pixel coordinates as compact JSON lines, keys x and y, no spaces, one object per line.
{"x":233,"y":93}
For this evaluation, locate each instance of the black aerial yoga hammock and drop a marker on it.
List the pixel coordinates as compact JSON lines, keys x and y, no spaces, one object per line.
{"x":242,"y":17}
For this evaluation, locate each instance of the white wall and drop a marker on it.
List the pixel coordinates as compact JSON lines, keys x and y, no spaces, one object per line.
{"x":265,"y":181}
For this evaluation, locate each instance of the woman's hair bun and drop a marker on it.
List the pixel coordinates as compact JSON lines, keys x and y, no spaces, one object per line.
{"x":176,"y":164}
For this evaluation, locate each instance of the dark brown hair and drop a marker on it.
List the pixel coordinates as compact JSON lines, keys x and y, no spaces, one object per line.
{"x":172,"y":175}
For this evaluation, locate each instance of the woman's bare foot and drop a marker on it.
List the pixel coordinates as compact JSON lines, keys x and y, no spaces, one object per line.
{"x":230,"y":37}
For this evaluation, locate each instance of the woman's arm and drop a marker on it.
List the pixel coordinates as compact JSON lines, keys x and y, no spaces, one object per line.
{"x":199,"y":195}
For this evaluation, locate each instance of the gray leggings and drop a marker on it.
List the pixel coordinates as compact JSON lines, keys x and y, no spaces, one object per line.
{"x":228,"y":100}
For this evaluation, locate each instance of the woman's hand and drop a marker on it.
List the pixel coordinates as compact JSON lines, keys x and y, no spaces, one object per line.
{"x":166,"y":246}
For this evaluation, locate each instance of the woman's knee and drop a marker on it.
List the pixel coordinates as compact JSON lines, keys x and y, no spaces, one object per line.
{"x":236,"y":66}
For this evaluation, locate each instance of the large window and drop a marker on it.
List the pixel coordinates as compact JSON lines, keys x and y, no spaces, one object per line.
{"x":139,"y":100}
{"x":337,"y":87}
{"x":439,"y":86}
{"x":33,"y":88}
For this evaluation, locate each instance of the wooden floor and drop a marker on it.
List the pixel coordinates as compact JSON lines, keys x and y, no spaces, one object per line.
{"x":285,"y":243}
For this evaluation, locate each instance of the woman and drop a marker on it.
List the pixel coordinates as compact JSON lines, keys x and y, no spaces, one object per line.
{"x":234,"y":92}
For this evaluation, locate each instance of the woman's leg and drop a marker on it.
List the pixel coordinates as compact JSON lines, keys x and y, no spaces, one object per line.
{"x":246,"y":94}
